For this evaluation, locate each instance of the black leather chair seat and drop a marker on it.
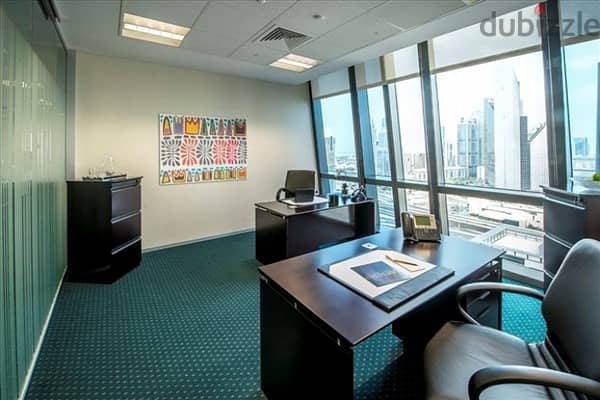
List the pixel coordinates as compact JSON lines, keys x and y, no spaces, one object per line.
{"x":458,"y":350}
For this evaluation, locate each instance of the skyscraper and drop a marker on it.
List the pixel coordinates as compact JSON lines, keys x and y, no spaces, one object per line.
{"x":488,"y":141}
{"x":507,"y":141}
{"x":525,"y":154}
{"x":598,"y":122}
{"x":538,"y":143}
{"x":330,"y":151}
{"x":468,"y":145}
{"x":581,"y":147}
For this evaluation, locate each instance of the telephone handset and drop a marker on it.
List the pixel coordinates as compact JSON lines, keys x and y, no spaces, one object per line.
{"x":420,"y":227}
{"x":359,"y":194}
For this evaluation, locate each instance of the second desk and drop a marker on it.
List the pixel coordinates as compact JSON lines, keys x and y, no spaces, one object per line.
{"x":283,"y":232}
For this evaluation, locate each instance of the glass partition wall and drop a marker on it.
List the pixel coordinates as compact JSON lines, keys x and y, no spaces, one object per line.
{"x":461,"y":121}
{"x":32,"y":183}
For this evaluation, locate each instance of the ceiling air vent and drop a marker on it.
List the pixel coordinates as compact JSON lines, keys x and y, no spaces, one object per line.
{"x":290,"y":38}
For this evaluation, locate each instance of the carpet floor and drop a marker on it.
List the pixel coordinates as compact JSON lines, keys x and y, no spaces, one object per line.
{"x":185,"y":325}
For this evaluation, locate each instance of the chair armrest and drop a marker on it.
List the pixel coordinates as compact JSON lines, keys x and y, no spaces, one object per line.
{"x":492,"y":287}
{"x":513,"y":374}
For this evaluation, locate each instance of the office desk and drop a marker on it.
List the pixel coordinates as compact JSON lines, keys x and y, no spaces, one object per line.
{"x":283,"y":232}
{"x":310,"y":324}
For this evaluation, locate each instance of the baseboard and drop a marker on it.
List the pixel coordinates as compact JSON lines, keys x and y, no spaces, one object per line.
{"x":204,"y":239}
{"x":36,"y":353}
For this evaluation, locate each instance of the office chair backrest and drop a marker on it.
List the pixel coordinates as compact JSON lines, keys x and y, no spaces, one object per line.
{"x":571,"y":308}
{"x":299,"y":179}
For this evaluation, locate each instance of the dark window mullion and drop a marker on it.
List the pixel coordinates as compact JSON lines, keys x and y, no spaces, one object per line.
{"x":366,"y":134}
{"x":356,"y":125}
{"x":318,"y":137}
{"x":389,"y":124}
{"x":429,"y":125}
{"x":558,"y":162}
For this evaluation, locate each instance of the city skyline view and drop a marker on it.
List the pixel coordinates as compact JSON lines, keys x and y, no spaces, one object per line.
{"x":491,"y":125}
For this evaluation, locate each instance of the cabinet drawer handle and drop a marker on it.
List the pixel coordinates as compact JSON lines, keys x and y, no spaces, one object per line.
{"x":484,"y":296}
{"x":565,"y":204}
{"x":482,"y":313}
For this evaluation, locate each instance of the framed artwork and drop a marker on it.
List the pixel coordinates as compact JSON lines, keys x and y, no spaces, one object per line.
{"x":195,"y":149}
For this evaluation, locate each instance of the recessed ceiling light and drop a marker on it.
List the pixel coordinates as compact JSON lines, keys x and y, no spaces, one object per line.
{"x":296,"y":63}
{"x":151,"y":30}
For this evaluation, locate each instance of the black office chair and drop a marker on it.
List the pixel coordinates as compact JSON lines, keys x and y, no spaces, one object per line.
{"x":464,"y":361}
{"x":297,"y":179}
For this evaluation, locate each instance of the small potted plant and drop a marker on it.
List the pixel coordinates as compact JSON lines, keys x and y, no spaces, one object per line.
{"x":345,"y":190}
{"x":589,"y":182}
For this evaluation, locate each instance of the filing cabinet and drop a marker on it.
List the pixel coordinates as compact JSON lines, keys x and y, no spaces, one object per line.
{"x":104,"y":228}
{"x":568,"y":217}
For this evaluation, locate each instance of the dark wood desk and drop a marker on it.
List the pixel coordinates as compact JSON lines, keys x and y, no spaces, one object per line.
{"x":283,"y":232}
{"x":310,"y":323}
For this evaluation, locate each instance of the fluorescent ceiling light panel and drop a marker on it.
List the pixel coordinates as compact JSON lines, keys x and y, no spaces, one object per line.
{"x":296,"y":63}
{"x":151,"y":30}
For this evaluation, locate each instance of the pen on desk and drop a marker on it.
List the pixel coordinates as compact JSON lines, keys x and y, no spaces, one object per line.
{"x":401,"y":261}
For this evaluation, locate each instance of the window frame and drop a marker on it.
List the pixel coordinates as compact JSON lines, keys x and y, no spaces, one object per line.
{"x":435,"y":186}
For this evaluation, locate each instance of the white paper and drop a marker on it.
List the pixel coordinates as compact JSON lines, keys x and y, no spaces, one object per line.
{"x":343,"y":271}
{"x":316,"y":200}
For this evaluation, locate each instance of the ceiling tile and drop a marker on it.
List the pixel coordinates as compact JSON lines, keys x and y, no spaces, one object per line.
{"x":239,"y":18}
{"x":360,"y":32}
{"x":323,"y":50}
{"x":300,"y":17}
{"x":258,"y":54}
{"x":210,"y":43}
{"x":179,"y":12}
{"x":352,"y":36}
{"x":103,"y":11}
{"x":407,"y":14}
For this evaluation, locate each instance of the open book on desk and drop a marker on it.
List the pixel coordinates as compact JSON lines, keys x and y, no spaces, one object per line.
{"x":386,"y":277}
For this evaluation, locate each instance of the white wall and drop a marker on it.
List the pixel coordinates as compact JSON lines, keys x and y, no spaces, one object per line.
{"x":117,"y":107}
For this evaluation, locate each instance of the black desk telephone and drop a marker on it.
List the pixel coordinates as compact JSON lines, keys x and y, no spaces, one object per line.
{"x":359,"y":194}
{"x":420,"y":227}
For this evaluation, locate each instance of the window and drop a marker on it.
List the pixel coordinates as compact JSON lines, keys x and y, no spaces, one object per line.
{"x":493,"y":123}
{"x":338,"y":135}
{"x":516,"y":228}
{"x":489,"y":121}
{"x":411,"y":160}
{"x":582,"y":69}
{"x":376,"y":150}
{"x":385,"y":205}
{"x":414,"y":201}
{"x":332,"y":186}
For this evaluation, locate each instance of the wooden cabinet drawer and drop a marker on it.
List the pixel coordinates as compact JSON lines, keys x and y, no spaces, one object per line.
{"x":125,"y":200}
{"x":485,"y":306}
{"x":127,"y":257}
{"x":563,"y":219}
{"x":554,"y":253}
{"x":125,"y":229}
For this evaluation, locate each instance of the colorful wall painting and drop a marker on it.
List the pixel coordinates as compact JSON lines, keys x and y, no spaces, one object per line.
{"x":195,"y":149}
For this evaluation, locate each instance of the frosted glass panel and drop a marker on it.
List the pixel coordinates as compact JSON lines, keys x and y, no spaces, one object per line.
{"x":401,"y":63}
{"x":32,"y":188}
{"x":513,"y":31}
{"x":333,"y":83}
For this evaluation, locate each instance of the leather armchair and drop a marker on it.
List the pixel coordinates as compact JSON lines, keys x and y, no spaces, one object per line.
{"x":466,"y":360}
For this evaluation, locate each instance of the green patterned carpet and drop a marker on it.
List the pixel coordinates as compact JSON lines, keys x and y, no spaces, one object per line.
{"x":184,"y":325}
